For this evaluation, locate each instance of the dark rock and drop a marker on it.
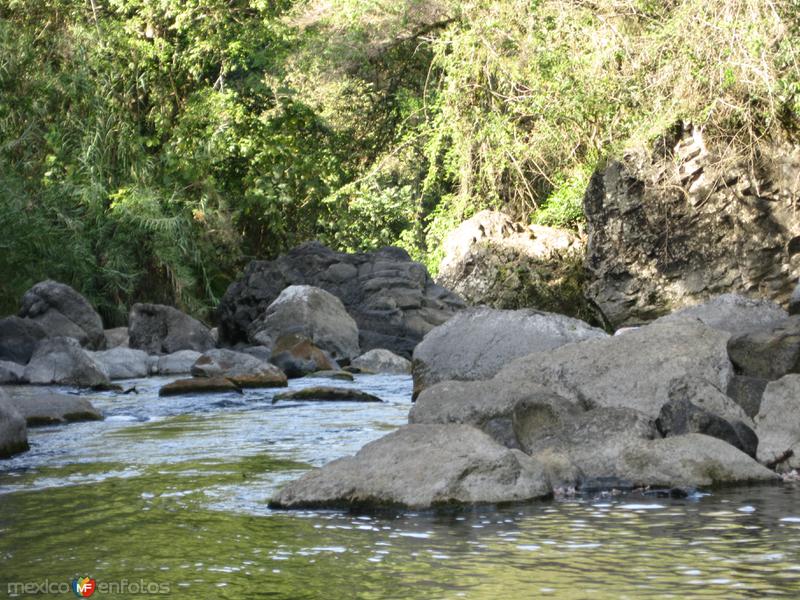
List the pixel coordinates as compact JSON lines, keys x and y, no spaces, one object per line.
{"x":61,"y":360}
{"x":19,"y":338}
{"x":747,"y":393}
{"x":768,"y":353}
{"x":313,"y":313}
{"x":40,"y":408}
{"x":63,"y":312}
{"x":298,"y":356}
{"x":13,"y":431}
{"x":199,"y":385}
{"x":328,"y":394}
{"x":679,"y":416}
{"x":342,"y":375}
{"x":159,"y":329}
{"x":392,"y":299}
{"x":794,"y":301}
{"x":478,"y":342}
{"x":421,"y":466}
{"x":675,"y":226}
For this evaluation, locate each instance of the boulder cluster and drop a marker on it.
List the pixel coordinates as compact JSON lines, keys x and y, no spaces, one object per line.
{"x":517,"y":405}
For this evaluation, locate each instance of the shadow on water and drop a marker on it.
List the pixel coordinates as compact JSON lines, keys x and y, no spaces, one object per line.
{"x":175,"y":492}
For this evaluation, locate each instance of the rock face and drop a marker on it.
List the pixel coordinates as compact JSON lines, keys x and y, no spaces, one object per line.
{"x":769,"y":352}
{"x":63,"y":312}
{"x":313,"y":313}
{"x":61,"y":360}
{"x":19,"y":338}
{"x":421,"y":466}
{"x":13,"y":431}
{"x":123,"y":363}
{"x":380,"y":360}
{"x":392,"y":299}
{"x":778,"y":423}
{"x":241,"y":369}
{"x":492,"y":260}
{"x":674,"y":226}
{"x":42,"y":408}
{"x":478,"y":342}
{"x":159,"y":329}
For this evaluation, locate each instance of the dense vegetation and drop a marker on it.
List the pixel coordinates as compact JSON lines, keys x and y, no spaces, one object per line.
{"x":149,"y":148}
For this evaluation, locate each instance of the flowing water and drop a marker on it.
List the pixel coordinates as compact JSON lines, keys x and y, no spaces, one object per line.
{"x":169,"y":496}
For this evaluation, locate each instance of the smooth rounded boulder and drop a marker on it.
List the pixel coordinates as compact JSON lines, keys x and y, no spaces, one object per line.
{"x":418,"y":467}
{"x":477,"y":343}
{"x":63,"y":312}
{"x":40,"y":408}
{"x":19,"y":338}
{"x":381,"y":360}
{"x":199,"y":385}
{"x":13,"y":430}
{"x":159,"y":329}
{"x":177,"y":363}
{"x":123,"y":363}
{"x":61,"y":360}
{"x":311,"y":312}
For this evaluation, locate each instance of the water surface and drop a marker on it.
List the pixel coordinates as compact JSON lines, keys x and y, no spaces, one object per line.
{"x":174,"y":491}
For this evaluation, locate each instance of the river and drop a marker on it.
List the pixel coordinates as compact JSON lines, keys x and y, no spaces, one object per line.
{"x":169,"y":495}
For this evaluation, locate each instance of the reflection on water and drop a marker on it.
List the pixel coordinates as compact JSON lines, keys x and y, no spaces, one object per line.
{"x":174,"y":491}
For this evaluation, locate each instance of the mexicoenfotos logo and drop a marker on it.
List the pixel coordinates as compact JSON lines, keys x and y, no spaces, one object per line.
{"x":84,"y":586}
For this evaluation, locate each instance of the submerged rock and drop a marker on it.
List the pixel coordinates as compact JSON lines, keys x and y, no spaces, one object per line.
{"x":325,"y":393}
{"x":313,"y":313}
{"x":477,"y":343}
{"x":421,"y":466}
{"x":380,"y":360}
{"x":778,"y":424}
{"x":61,"y":360}
{"x":393,"y":300}
{"x":63,"y":312}
{"x":159,"y":329}
{"x":40,"y":408}
{"x":19,"y":339}
{"x":13,"y":431}
{"x":199,"y":385}
{"x":343,"y":375}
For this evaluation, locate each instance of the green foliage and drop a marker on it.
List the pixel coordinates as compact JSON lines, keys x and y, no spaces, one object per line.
{"x":564,"y":206}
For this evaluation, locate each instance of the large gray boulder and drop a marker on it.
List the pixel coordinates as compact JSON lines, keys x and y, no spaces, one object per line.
{"x":769,"y":352}
{"x":13,"y":431}
{"x":61,"y":360}
{"x":11,"y":372}
{"x":313,"y":313}
{"x":177,"y":363}
{"x":159,"y":329}
{"x":242,"y":369}
{"x":19,"y":338}
{"x":421,"y":466}
{"x":634,"y":370}
{"x":478,"y":342}
{"x":380,"y":360}
{"x":123,"y":363}
{"x":673,"y":225}
{"x":40,"y":408}
{"x":778,"y":424}
{"x":117,"y":337}
{"x":392,"y":299}
{"x":63,"y":312}
{"x":733,"y":313}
